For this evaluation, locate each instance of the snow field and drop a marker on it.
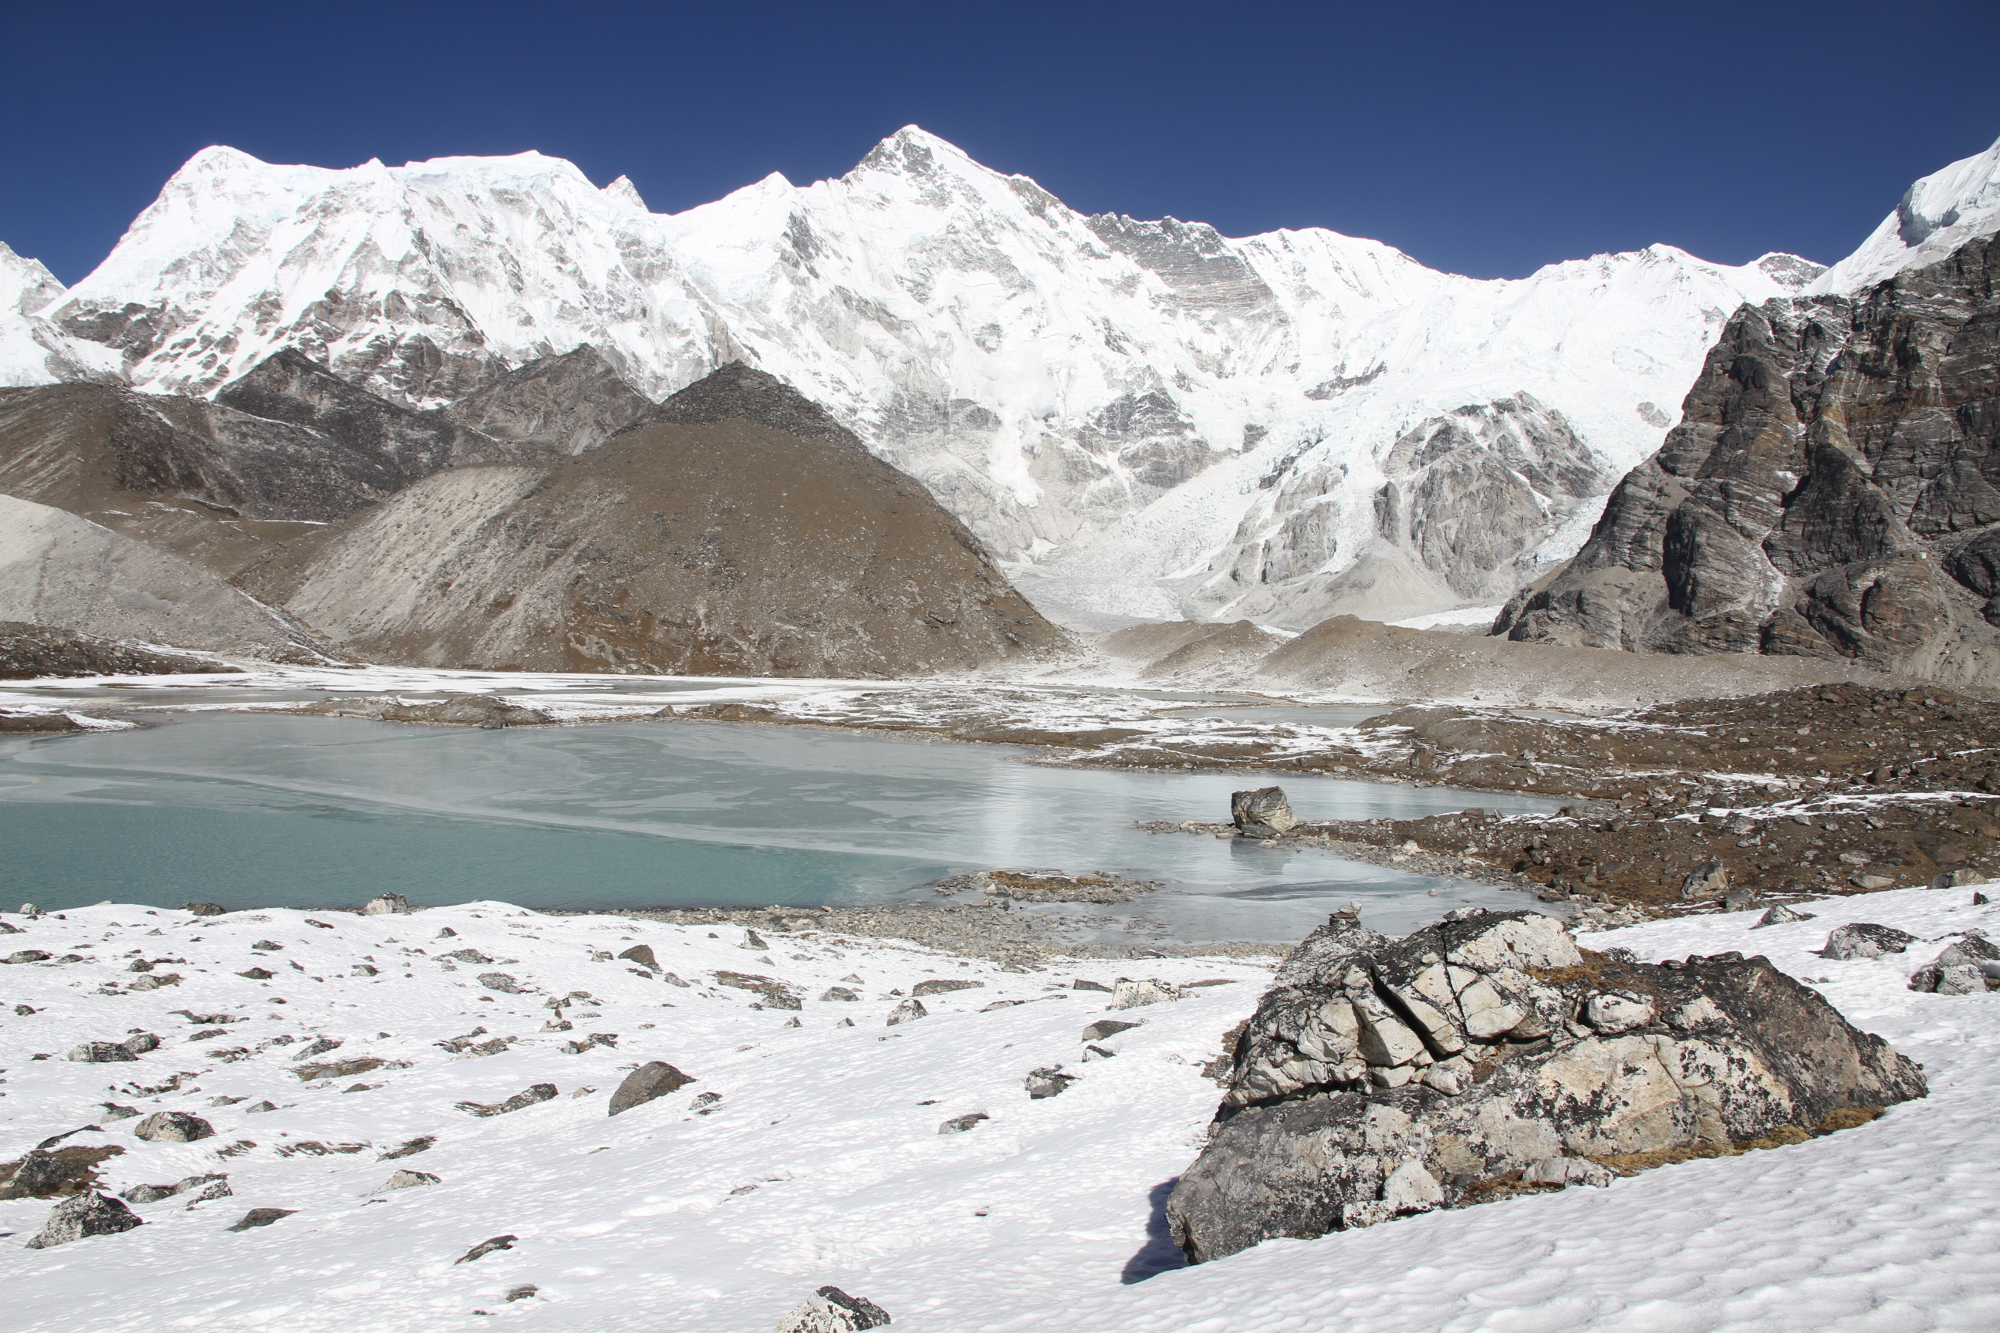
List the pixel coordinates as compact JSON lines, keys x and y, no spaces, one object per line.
{"x":830,"y":1133}
{"x":632,"y":1222}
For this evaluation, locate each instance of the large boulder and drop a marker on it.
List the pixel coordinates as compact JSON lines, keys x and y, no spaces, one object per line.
{"x":655,"y":1078}
{"x":84,"y":1215}
{"x":831,"y":1310}
{"x":1488,"y":1054}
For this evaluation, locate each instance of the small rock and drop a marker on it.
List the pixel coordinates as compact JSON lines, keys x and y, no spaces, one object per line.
{"x":486,"y":1247}
{"x":1709,"y":880}
{"x":539,"y":1092}
{"x":642,"y":954}
{"x":942,"y":986}
{"x":1566,"y":1171}
{"x":838,"y":994}
{"x":831,"y":1310}
{"x":1961,"y":960}
{"x":403,"y":1180}
{"x":1132,"y":994}
{"x":1081,"y":984}
{"x":387,"y":904}
{"x":173,"y":1127}
{"x":653,"y":1079}
{"x":84,"y":1215}
{"x":908,"y":1011}
{"x":1741,"y":898}
{"x":113,"y":1111}
{"x":1872,"y":882}
{"x":753,"y":941}
{"x":267,"y":946}
{"x":141,"y":1042}
{"x":1952,"y":879}
{"x":257,"y":974}
{"x":101,"y":1053}
{"x":28,"y":956}
{"x":1781,"y":915}
{"x":501,"y":982}
{"x":1262,"y":813}
{"x":217,"y":1187}
{"x":1106,"y":1027}
{"x":260,"y":1108}
{"x":46,"y":1175}
{"x":1097,"y":1053}
{"x":1865,"y":940}
{"x":262,"y":1217}
{"x":958,"y":1124}
{"x":1048,"y":1082}
{"x":204,"y":909}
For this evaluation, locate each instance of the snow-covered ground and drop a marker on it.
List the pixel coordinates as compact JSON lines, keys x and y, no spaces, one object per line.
{"x":1033,"y":1219}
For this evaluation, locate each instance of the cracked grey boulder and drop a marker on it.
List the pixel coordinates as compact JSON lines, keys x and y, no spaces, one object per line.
{"x":1781,"y":915}
{"x":831,"y":1310}
{"x":1263,"y":813}
{"x":909,"y":1011}
{"x":1956,"y":971}
{"x":655,"y":1078}
{"x":1130,"y":994}
{"x":173,"y":1127}
{"x":1865,"y":940}
{"x":1049,"y":1082}
{"x":387,"y":904}
{"x":1486,"y":1055}
{"x":84,"y":1215}
{"x":101,"y":1052}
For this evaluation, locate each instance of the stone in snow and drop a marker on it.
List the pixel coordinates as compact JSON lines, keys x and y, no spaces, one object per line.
{"x":387,"y":904}
{"x":1048,"y":1082}
{"x":831,"y":1310}
{"x":486,"y":1247}
{"x":642,"y":954}
{"x":1317,"y":1132}
{"x":753,"y":942}
{"x":1106,"y":1027}
{"x":84,"y":1215}
{"x":403,"y":1180}
{"x":29,"y":956}
{"x":958,"y":1124}
{"x":1952,"y":879}
{"x":173,"y":1127}
{"x":539,"y":1092}
{"x":44,"y":1175}
{"x":262,"y":1217}
{"x":1263,"y":813}
{"x":1081,"y":984}
{"x":204,"y":909}
{"x":101,"y":1052}
{"x":1131,"y":994}
{"x":501,"y":982}
{"x":1956,"y":971}
{"x":838,"y":994}
{"x":1863,"y":939}
{"x":907,"y":1012}
{"x":655,"y":1078}
{"x":942,"y":986}
{"x":141,"y":1042}
{"x":1781,"y":915}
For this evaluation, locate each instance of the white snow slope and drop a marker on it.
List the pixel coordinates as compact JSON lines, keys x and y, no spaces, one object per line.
{"x":648,"y":1221}
{"x":1103,"y":400}
{"x":33,"y":350}
{"x":1938,"y":214}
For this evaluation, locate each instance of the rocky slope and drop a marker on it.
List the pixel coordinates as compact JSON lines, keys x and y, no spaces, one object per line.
{"x":1830,"y":491}
{"x":1149,"y":418}
{"x":739,"y":531}
{"x":1487,"y":1056}
{"x":65,"y":573}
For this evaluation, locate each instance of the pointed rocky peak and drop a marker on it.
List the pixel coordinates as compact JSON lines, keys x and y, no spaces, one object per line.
{"x":26,"y":285}
{"x":291,"y":387}
{"x":566,"y":404}
{"x":624,"y":191}
{"x":1789,"y":271}
{"x":1935,"y":216}
{"x":739,"y":392}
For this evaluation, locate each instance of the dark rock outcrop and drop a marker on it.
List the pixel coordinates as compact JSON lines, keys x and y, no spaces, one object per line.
{"x":831,"y":1310}
{"x":557,"y":405}
{"x":1832,"y":490}
{"x":1486,"y":1055}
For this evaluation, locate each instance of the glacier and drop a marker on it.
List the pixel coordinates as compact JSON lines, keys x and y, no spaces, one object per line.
{"x":1141,"y":419}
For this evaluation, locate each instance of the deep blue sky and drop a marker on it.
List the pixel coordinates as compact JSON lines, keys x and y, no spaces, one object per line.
{"x":1481,"y":138}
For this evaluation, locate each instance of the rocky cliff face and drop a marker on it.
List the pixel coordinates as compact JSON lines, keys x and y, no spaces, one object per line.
{"x":1486,"y":1056}
{"x":1833,"y":490}
{"x":738,"y":532}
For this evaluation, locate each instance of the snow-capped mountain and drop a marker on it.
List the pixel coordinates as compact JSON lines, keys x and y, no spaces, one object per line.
{"x":33,"y":350}
{"x":1938,"y":214}
{"x":1143,"y":418}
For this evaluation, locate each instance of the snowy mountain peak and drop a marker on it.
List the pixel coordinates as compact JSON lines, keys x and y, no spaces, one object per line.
{"x":1148,"y":417}
{"x":1936,"y":215}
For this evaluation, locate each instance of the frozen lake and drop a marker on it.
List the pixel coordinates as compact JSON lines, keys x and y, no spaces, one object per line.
{"x":262,"y":810}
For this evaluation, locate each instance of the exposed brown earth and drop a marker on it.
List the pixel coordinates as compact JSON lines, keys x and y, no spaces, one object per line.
{"x":29,"y":652}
